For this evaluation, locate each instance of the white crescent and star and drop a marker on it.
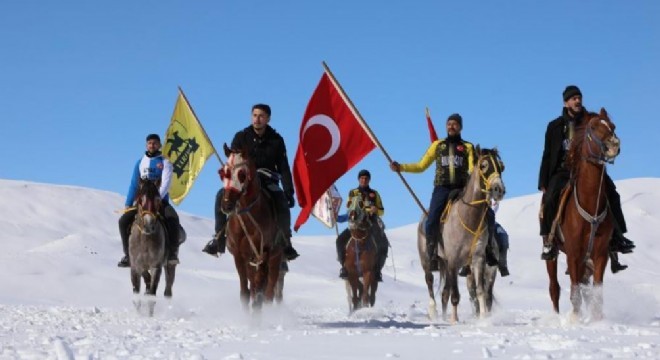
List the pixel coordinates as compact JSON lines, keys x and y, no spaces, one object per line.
{"x":333,"y":129}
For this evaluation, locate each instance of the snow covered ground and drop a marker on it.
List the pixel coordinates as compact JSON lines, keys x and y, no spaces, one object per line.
{"x":63,"y":297}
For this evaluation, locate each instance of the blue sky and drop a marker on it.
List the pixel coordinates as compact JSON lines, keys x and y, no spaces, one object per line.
{"x":83,"y":82}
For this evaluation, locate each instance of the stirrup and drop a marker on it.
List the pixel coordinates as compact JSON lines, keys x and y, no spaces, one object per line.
{"x":343,"y":273}
{"x":464,"y":271}
{"x":549,"y":253}
{"x":211,"y":248}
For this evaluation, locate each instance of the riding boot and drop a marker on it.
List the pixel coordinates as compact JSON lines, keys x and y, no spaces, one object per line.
{"x":464,"y":271}
{"x":125,"y":223}
{"x":173,"y":245}
{"x":342,"y":239}
{"x":432,"y":252}
{"x":491,"y":259}
{"x":289,"y":252}
{"x":615,"y":265}
{"x":550,"y":250}
{"x":382,"y":256}
{"x":504,"y":269}
{"x":218,"y":243}
{"x":620,"y":243}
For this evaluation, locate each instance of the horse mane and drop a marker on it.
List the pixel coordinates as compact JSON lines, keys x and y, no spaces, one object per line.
{"x":575,"y":150}
{"x":148,"y":188}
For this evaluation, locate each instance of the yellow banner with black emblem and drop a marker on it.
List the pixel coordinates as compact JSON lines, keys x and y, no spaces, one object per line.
{"x":187,"y":147}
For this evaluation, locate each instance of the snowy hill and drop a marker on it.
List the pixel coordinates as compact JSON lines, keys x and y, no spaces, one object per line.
{"x":64,"y":297}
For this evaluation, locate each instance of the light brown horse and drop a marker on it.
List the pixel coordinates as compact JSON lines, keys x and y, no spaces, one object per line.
{"x":586,"y":225}
{"x":147,"y":244}
{"x":251,"y":230}
{"x":361,"y":256}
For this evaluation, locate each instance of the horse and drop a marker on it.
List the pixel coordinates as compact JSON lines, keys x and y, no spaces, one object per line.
{"x":361,"y":258}
{"x":465,"y":233}
{"x":251,"y":230}
{"x":147,"y":243}
{"x":586,"y":224}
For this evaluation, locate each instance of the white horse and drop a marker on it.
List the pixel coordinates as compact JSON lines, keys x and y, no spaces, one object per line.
{"x":465,"y":231}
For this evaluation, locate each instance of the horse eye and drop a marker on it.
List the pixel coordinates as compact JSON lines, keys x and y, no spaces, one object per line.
{"x":484,"y":165}
{"x":241,"y":176}
{"x":225,"y":173}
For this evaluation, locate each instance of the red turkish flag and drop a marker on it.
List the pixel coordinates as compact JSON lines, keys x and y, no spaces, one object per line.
{"x":331,"y":142}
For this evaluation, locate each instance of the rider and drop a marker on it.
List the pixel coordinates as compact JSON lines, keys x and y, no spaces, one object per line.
{"x":454,"y":159}
{"x":266,"y":147}
{"x":152,"y":166}
{"x":374,"y":206}
{"x":554,"y":175}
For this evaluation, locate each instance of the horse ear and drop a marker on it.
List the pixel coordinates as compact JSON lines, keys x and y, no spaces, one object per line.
{"x":478,"y":149}
{"x":227,"y":150}
{"x":603,"y":113}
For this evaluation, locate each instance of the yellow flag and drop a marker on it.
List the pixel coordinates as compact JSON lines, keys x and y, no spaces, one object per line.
{"x":187,"y":148}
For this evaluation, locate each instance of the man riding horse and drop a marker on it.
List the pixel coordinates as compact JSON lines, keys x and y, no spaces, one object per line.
{"x":155,"y":167}
{"x":554,"y":175}
{"x":454,"y":159}
{"x":373,"y":204}
{"x":266,"y":148}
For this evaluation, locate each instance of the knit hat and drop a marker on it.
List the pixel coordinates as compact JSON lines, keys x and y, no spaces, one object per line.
{"x":364,"y":172}
{"x":570,"y":91}
{"x":153,"y":137}
{"x":456,"y":117}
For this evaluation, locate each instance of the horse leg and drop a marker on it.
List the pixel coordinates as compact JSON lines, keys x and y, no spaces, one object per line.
{"x":478,"y":272}
{"x":490,"y":276}
{"x":472,"y":291}
{"x":554,"y":288}
{"x":597,"y":292}
{"x":446,"y":292}
{"x":575,"y":272}
{"x":372,"y":295}
{"x":241,"y":268}
{"x":455,"y":295}
{"x":273,"y":276}
{"x":433,"y":311}
{"x":170,"y":272}
{"x":135,"y":280}
{"x":367,"y":279}
{"x":146,"y":275}
{"x":155,"y":280}
{"x":355,"y":284}
{"x":256,"y":286}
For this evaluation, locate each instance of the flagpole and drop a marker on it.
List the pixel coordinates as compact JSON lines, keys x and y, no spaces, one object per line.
{"x":371,"y":134}
{"x":200,"y":125}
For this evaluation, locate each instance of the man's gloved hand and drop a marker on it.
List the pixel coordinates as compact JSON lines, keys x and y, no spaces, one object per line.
{"x":290,"y":200}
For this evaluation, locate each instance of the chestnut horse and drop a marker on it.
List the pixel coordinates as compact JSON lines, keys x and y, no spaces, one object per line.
{"x":251,"y":230}
{"x":465,"y":231}
{"x":147,"y":244}
{"x":586,"y":224}
{"x":361,"y":256}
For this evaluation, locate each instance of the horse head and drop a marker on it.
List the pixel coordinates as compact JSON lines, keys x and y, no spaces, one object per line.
{"x":602,"y":143}
{"x":359,"y":221}
{"x":490,"y":168}
{"x":237,"y":175}
{"x":149,"y":205}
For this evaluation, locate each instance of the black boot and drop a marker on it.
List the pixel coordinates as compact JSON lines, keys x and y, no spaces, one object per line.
{"x":491,"y":259}
{"x":211,"y":247}
{"x":620,"y":243}
{"x":432,"y":252}
{"x":504,"y":269}
{"x":173,"y":246}
{"x":379,"y":276}
{"x":550,"y":250}
{"x":124,"y":262}
{"x":343,"y":273}
{"x":464,"y":271}
{"x":615,"y":265}
{"x":289,"y":252}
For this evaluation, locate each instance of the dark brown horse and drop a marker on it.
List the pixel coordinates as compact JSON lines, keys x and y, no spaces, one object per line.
{"x":361,"y":256}
{"x":251,"y":230}
{"x":147,"y":244}
{"x":586,"y":224}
